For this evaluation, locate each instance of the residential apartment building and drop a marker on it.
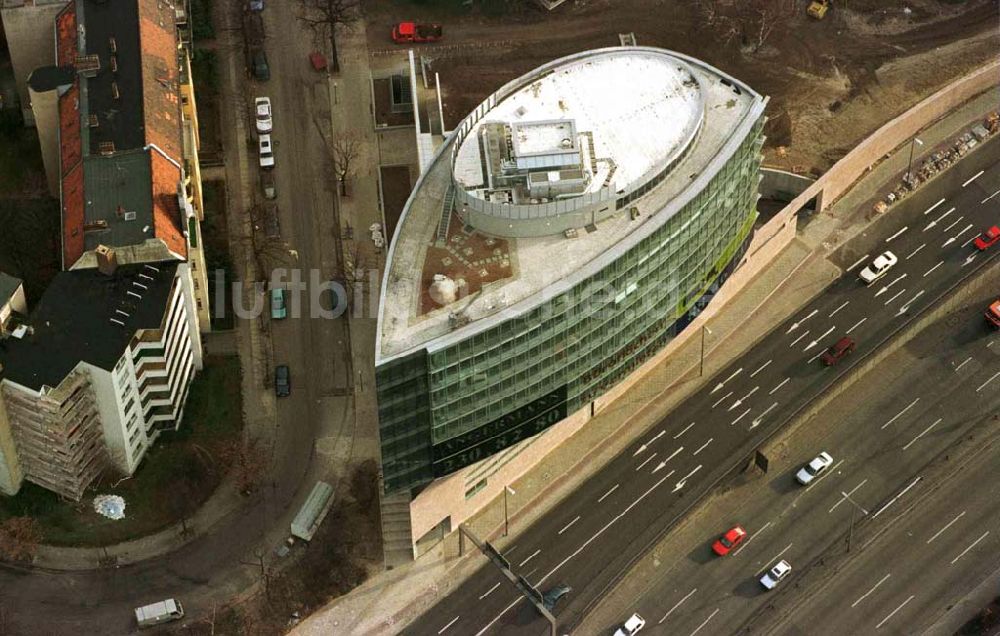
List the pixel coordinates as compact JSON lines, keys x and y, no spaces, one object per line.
{"x":103,"y":362}
{"x":98,"y":370}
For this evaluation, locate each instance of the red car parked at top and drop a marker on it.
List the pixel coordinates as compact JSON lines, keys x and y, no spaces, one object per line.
{"x":988,"y":238}
{"x":724,"y":544}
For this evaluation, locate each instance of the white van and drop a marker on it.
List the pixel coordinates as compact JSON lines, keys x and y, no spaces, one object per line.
{"x":158,"y":613}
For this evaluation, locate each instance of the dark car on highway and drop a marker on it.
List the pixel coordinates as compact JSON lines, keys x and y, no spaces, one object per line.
{"x":282,"y":381}
{"x":840,"y":349}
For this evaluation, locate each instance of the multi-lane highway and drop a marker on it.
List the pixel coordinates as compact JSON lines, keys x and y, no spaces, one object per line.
{"x":930,"y":400}
{"x":591,"y":537}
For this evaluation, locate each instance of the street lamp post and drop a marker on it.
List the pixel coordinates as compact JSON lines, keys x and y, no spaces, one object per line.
{"x":909,"y":168}
{"x":701,"y":368}
{"x":506,"y":524}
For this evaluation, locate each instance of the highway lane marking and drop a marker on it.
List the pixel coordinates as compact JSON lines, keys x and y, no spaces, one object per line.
{"x":605,"y":495}
{"x":947,"y":525}
{"x":816,"y":341}
{"x":965,"y":244}
{"x":897,"y":234}
{"x":750,"y":538}
{"x":645,"y":461}
{"x":973,"y":178}
{"x":813,"y":359}
{"x":886,"y":288}
{"x":893,"y":612}
{"x":845,"y":497}
{"x":930,"y":209}
{"x":740,"y":400}
{"x":533,"y":555}
{"x":989,"y":197}
{"x":928,"y":272}
{"x":914,"y":252}
{"x":972,"y":545}
{"x":897,"y":295}
{"x":723,"y":383}
{"x":764,"y":365}
{"x":702,"y":447}
{"x":705,"y":622}
{"x":441,"y":631}
{"x":906,"y":306}
{"x":983,"y":385}
{"x":783,"y":383}
{"x":970,"y":258}
{"x":898,"y":415}
{"x":664,"y":462}
{"x":777,"y":556}
{"x":651,"y":440}
{"x":722,"y":399}
{"x":811,"y":314}
{"x":857,"y":262}
{"x":874,"y":587}
{"x":960,"y":233}
{"x":846,"y":302}
{"x":671,"y":610}
{"x":568,"y":525}
{"x":964,"y":362}
{"x":756,"y":421}
{"x":796,"y":341}
{"x":893,"y":500}
{"x":488,"y":592}
{"x":684,"y":479}
{"x":938,"y":220}
{"x":741,"y":416}
{"x":926,"y":430}
{"x":953,"y":223}
{"x":678,"y":436}
{"x":857,"y":324}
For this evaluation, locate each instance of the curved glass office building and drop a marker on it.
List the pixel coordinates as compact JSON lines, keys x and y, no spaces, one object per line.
{"x":560,"y":237}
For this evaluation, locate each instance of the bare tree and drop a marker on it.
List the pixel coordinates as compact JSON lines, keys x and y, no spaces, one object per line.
{"x":345,"y":151}
{"x":183,"y":502}
{"x":19,"y":538}
{"x":249,"y":461}
{"x":324,"y":16}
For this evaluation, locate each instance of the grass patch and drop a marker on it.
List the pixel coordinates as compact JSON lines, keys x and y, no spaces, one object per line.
{"x":176,"y":476}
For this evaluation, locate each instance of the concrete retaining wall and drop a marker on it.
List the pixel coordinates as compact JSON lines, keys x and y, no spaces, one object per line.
{"x":781,"y":185}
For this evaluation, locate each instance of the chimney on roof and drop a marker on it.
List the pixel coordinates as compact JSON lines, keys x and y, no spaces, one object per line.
{"x":107,"y":260}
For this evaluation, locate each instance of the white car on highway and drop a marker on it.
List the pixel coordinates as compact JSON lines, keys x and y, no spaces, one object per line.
{"x":773,"y":576}
{"x":262,"y":114}
{"x":631,"y":626}
{"x":266,"y":152}
{"x":879,"y":267}
{"x":812,"y":470}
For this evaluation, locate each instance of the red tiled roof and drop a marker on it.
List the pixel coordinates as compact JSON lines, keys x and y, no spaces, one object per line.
{"x":66,"y":30}
{"x":167,"y":222}
{"x":160,"y":77}
{"x":72,"y":216}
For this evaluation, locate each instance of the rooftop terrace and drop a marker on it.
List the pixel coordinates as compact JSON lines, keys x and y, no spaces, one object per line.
{"x":541,"y":267}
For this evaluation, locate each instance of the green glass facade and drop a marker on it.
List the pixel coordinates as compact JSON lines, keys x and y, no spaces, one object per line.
{"x":443,"y":409}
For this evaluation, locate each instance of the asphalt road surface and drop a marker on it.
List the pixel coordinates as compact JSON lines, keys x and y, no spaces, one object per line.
{"x":593,"y":535}
{"x":930,"y":399}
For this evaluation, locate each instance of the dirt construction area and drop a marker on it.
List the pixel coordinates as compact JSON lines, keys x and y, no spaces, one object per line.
{"x":831,"y":82}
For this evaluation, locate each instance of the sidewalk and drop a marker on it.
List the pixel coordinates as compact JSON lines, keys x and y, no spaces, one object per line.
{"x":392,"y":599}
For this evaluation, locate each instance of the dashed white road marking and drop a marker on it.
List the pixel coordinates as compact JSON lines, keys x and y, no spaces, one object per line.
{"x":702,"y":447}
{"x":783,"y":383}
{"x":930,"y":209}
{"x":972,"y":545}
{"x":973,"y":178}
{"x":757,"y":420}
{"x":990,"y":197}
{"x":705,"y":622}
{"x":914,"y":252}
{"x":865,"y":595}
{"x":751,"y":537}
{"x":834,"y":313}
{"x":846,"y":496}
{"x":897,"y":295}
{"x":857,"y":324}
{"x":816,"y":341}
{"x":900,"y":414}
{"x":983,"y":385}
{"x":740,"y":417}
{"x":965,"y":244}
{"x":857,"y":262}
{"x":678,"y":436}
{"x":777,"y":556}
{"x":893,"y":612}
{"x":450,"y":623}
{"x":928,"y":272}
{"x":644,"y":462}
{"x":953,"y":223}
{"x":678,"y":604}
{"x":938,"y":220}
{"x":605,"y":495}
{"x":964,"y":362}
{"x":926,"y":430}
{"x":569,"y":525}
{"x":801,"y":336}
{"x":488,"y":592}
{"x":897,"y":234}
{"x":721,"y":399}
{"x":764,"y":366}
{"x":947,"y":525}
{"x":533,"y":555}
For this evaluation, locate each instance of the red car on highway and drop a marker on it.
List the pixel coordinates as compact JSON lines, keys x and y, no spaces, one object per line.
{"x":724,"y":544}
{"x":988,"y":238}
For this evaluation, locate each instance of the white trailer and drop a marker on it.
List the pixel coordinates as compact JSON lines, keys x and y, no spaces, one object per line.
{"x":157,"y":613}
{"x":313,"y":511}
